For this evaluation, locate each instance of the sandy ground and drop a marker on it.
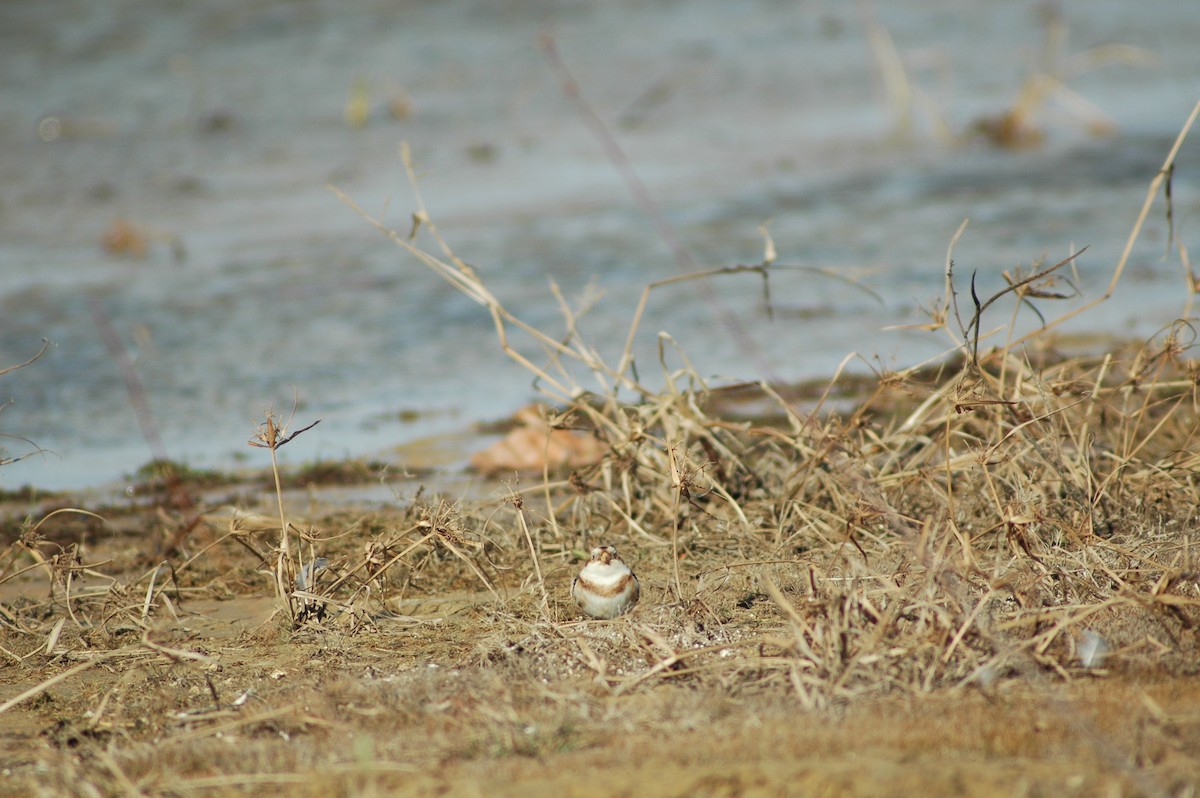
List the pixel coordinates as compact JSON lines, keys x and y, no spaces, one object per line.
{"x":449,"y":692}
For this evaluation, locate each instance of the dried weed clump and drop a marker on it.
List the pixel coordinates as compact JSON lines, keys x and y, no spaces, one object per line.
{"x":1015,"y":511}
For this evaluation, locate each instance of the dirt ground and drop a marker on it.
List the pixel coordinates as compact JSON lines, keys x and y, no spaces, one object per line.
{"x":195,"y":684}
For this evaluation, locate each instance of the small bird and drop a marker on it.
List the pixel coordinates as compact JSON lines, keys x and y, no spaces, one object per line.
{"x":606,"y":587}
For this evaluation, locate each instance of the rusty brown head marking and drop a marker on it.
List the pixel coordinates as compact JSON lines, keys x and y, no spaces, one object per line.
{"x":604,"y":554}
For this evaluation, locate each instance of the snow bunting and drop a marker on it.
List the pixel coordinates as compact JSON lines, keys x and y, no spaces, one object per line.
{"x":606,"y":587}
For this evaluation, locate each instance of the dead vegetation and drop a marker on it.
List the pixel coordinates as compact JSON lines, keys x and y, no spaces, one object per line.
{"x":1002,"y":537}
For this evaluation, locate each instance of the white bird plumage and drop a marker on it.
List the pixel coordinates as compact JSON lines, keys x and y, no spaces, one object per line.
{"x":606,"y":587}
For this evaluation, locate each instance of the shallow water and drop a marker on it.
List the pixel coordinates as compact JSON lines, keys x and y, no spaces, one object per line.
{"x":216,"y":129}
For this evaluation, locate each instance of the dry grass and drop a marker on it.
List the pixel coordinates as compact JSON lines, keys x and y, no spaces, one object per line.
{"x":997,"y":551}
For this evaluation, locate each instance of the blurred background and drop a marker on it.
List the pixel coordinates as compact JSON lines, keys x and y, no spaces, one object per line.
{"x":164,"y":171}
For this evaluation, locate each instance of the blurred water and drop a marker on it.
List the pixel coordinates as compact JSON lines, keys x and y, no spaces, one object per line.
{"x":216,"y":127}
